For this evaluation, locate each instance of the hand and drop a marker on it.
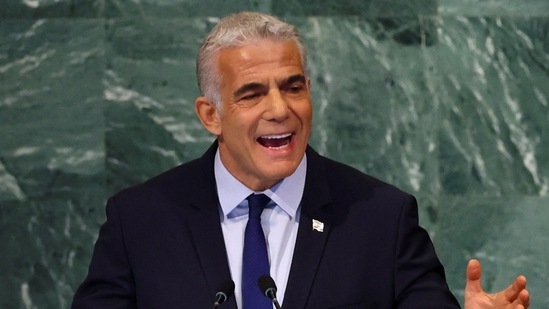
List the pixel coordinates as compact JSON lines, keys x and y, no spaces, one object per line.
{"x":514,"y":296}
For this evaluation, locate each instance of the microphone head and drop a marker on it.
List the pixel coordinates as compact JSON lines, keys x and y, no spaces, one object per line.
{"x":267,"y":285}
{"x":225,"y":291}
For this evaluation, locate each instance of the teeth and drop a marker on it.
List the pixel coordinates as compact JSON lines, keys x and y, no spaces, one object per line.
{"x":277,"y":136}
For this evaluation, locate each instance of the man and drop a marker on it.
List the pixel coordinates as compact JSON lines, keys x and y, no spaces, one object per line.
{"x":335,"y":237}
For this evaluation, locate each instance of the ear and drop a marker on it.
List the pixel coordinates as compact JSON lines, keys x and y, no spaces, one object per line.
{"x":208,"y":115}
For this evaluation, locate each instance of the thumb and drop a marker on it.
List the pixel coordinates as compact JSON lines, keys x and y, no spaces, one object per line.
{"x":474,"y":273}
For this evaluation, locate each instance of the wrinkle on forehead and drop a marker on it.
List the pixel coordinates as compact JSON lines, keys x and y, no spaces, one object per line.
{"x":254,"y":60}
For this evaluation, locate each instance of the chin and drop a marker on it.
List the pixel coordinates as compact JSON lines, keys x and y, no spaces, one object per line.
{"x":281,"y":170}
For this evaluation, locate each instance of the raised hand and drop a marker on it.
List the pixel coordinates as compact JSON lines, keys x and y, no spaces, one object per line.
{"x":515,"y":296}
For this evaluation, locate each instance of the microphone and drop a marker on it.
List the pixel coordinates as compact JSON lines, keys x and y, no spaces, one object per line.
{"x":268,"y":287}
{"x":224,"y":292}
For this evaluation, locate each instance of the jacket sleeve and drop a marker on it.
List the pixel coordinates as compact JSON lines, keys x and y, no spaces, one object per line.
{"x":109,"y":283}
{"x":419,"y":276}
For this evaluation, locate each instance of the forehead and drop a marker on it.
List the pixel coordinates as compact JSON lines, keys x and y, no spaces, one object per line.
{"x":259,"y":59}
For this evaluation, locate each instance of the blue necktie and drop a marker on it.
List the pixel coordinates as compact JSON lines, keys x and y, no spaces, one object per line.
{"x":255,"y":260}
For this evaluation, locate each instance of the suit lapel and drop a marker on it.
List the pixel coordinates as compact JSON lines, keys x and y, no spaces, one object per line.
{"x":206,"y":228}
{"x":210,"y":248}
{"x":309,"y":247}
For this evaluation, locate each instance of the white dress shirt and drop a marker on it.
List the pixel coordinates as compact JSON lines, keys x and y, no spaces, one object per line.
{"x":279,"y":220}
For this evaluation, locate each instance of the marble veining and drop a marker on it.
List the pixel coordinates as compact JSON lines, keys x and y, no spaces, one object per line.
{"x":447,"y":100}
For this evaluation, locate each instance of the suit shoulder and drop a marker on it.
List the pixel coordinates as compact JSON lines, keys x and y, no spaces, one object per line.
{"x":180,"y":181}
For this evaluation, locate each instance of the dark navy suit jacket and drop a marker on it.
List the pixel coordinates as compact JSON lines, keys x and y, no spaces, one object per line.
{"x":162,"y":245}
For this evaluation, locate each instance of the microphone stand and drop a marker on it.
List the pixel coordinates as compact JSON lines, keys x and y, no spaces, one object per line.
{"x":272,"y":295}
{"x":224,"y":292}
{"x":220,"y":298}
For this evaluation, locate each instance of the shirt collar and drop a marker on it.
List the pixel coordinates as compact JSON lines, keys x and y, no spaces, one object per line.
{"x":286,"y":194}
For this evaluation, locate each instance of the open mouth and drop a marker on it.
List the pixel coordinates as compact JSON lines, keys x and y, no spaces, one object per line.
{"x":275,"y":141}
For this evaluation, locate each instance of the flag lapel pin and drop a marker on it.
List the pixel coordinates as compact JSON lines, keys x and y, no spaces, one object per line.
{"x":318,"y":226}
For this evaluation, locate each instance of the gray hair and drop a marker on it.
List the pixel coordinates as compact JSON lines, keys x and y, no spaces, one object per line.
{"x":238,"y":30}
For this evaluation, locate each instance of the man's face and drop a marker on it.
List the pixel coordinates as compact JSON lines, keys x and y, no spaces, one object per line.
{"x":265,"y":118}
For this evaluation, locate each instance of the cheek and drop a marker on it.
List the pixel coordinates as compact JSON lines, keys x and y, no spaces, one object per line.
{"x":305,"y":112}
{"x":237,"y":126}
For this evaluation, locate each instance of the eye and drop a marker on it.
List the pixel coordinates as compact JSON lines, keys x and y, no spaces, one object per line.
{"x":250,"y":92}
{"x":250,"y":96}
{"x":296,"y":88}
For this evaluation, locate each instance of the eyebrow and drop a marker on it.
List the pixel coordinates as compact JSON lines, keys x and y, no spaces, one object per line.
{"x":258,"y":86}
{"x":294,"y":79}
{"x":247,"y":87}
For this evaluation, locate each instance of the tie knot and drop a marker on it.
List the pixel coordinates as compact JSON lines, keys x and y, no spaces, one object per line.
{"x":256,"y":204}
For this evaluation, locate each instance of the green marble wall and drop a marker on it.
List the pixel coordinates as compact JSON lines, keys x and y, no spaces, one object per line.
{"x":447,"y":99}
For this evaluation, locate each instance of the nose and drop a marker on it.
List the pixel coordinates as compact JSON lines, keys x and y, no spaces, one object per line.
{"x":277,"y":107}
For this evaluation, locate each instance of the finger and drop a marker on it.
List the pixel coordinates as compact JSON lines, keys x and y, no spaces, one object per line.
{"x":512,"y":292}
{"x":474,"y":274}
{"x":524,"y":297}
